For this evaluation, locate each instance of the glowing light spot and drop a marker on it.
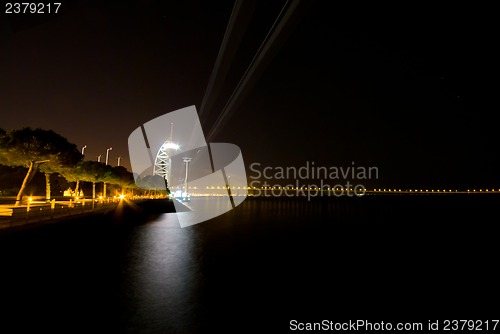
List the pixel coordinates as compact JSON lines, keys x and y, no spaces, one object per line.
{"x":171,"y":145}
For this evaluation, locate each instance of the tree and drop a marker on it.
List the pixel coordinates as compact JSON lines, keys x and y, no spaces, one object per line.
{"x":153,"y":182}
{"x":76,"y":174}
{"x":95,"y":172}
{"x":3,"y":147}
{"x":122,"y":177}
{"x":59,"y":168}
{"x":34,"y":149}
{"x":90,"y":171}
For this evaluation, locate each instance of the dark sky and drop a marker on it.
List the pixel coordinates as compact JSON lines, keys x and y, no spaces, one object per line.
{"x":411,"y":90}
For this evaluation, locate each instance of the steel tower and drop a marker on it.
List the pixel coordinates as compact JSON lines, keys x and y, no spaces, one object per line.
{"x":163,"y":162}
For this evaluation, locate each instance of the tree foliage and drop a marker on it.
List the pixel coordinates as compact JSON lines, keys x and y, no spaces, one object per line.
{"x":36,"y":149}
{"x":25,"y":146}
{"x":48,"y":152}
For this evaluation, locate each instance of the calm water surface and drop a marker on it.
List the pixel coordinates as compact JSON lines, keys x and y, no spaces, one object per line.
{"x":257,"y":267}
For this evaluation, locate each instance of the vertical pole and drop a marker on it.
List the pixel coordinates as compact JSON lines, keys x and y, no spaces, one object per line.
{"x":171,"y":131}
{"x":47,"y":187}
{"x":186,"y":181}
{"x":186,"y":160}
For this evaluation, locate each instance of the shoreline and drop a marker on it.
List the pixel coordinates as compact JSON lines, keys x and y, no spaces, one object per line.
{"x":128,"y":210}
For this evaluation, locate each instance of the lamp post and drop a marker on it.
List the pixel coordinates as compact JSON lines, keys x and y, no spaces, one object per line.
{"x":107,"y":154}
{"x":119,"y":158}
{"x":83,"y":149}
{"x":99,"y":158}
{"x":186,"y":160}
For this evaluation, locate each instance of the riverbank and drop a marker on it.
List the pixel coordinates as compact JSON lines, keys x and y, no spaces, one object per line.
{"x":41,"y":214}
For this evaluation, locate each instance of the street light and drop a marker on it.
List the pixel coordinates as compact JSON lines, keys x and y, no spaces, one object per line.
{"x":83,"y":149}
{"x":119,"y":160}
{"x":107,"y":154}
{"x":186,"y":160}
{"x":99,"y":158}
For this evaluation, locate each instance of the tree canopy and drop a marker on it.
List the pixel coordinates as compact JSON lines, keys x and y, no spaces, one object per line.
{"x":25,"y":146}
{"x":49,"y":152}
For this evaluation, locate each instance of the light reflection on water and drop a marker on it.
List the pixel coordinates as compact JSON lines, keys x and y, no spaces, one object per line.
{"x":289,"y":256}
{"x":162,"y":276}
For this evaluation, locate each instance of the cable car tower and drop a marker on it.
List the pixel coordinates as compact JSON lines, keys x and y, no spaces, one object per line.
{"x":163,"y":162}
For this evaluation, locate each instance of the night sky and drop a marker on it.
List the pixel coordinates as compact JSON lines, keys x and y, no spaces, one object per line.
{"x":411,"y":90}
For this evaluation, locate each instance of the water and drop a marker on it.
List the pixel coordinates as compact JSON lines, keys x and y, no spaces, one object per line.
{"x":257,"y":267}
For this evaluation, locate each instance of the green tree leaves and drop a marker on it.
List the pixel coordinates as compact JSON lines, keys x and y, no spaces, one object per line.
{"x":49,"y":152}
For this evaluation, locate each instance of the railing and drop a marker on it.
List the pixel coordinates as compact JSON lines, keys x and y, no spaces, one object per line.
{"x":27,"y":215}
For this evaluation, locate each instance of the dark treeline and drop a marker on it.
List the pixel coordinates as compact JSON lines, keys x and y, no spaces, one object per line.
{"x":31,"y":157}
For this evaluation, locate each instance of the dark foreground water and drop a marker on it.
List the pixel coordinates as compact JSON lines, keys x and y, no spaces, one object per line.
{"x":254,"y":269}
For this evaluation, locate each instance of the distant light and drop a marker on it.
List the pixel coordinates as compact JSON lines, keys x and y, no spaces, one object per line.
{"x":122,"y":196}
{"x":171,"y":145}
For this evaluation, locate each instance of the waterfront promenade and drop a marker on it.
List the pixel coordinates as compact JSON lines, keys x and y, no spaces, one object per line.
{"x":37,"y":210}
